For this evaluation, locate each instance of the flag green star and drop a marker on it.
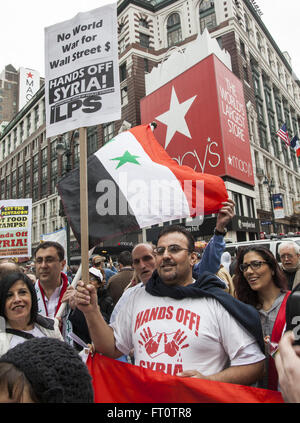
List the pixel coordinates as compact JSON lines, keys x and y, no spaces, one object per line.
{"x":126,"y":158}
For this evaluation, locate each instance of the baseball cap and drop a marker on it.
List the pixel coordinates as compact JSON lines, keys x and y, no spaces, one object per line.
{"x":96,"y":273}
{"x":98,"y":259}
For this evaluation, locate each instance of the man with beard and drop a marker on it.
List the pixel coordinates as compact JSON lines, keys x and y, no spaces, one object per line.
{"x":180,"y":325}
{"x":289,"y":252}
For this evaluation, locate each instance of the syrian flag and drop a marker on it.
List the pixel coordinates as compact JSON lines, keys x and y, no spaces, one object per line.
{"x":133,"y":183}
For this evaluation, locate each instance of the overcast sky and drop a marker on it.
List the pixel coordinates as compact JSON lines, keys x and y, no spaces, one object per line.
{"x":22,"y":27}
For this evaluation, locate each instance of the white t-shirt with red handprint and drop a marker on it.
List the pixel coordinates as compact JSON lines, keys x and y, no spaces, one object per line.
{"x":172,"y":335}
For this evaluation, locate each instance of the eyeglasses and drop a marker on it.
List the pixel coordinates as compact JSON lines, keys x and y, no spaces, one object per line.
{"x":172,"y":249}
{"x":47,"y":260}
{"x":287,"y":256}
{"x":253,"y":264}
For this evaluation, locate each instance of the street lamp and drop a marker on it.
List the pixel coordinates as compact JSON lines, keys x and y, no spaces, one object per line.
{"x":270,"y":185}
{"x":65,"y":147}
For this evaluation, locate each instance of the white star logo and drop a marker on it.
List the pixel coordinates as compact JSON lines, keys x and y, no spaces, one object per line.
{"x":174,"y":118}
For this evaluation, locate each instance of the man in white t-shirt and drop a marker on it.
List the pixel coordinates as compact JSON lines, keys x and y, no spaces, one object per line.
{"x":189,"y":335}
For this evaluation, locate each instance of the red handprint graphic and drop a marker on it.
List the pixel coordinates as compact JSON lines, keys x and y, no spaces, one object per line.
{"x":172,"y":347}
{"x":159,"y":344}
{"x":151,"y":345}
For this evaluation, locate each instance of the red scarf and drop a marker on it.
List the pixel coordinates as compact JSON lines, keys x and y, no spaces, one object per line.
{"x":62,"y":291}
{"x":277,"y":332}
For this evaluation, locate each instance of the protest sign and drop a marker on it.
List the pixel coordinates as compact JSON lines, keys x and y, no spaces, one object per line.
{"x":82,"y":86}
{"x":15,"y":228}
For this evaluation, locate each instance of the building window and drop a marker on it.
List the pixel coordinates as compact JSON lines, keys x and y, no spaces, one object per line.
{"x":239,"y":209}
{"x":247,"y":24}
{"x":44,"y":181}
{"x":207,"y":15}
{"x":242,"y":49}
{"x":143,"y":23}
{"x":259,"y":41}
{"x":256,"y":85}
{"x":144,"y":40}
{"x":36,"y":117}
{"x":53,"y":180}
{"x":21,"y":131}
{"x":123,"y":72}
{"x":124,"y":96}
{"x":245,"y":72}
{"x":43,"y":211}
{"x":7,"y":192}
{"x":268,"y":99}
{"x":35,"y":186}
{"x":285,"y":153}
{"x":260,"y":111}
{"x":20,"y":188}
{"x":122,"y":45}
{"x":220,"y":42}
{"x":53,"y":152}
{"x":76,"y":155}
{"x":279,"y":112}
{"x":108,"y":132}
{"x":174,"y":29}
{"x":92,"y":140}
{"x":2,"y":189}
{"x":263,"y":139}
{"x":250,"y":207}
{"x":146,"y":65}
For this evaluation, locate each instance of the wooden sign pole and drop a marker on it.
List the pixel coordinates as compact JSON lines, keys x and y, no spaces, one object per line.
{"x":84,"y":221}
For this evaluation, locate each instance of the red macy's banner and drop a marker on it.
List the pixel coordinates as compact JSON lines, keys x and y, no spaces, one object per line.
{"x":202,"y":120}
{"x":118,"y":382}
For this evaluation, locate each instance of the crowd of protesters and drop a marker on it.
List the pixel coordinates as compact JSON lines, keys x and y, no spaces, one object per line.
{"x":115,"y":313}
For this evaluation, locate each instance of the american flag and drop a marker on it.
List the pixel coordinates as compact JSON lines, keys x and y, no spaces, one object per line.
{"x":283,"y":134}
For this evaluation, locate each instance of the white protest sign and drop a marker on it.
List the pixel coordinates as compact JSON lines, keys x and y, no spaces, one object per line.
{"x":15,"y":228}
{"x":82,"y":86}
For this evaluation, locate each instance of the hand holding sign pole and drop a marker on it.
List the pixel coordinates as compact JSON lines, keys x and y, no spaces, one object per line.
{"x":82,"y":89}
{"x":84,"y":223}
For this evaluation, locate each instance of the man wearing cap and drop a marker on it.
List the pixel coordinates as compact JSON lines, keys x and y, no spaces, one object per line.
{"x":98,"y":263}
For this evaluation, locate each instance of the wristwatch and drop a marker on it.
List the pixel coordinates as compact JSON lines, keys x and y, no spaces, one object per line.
{"x":216,"y":232}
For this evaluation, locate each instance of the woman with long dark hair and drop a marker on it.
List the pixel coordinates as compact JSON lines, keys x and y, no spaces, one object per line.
{"x":19,"y":318}
{"x":260,"y":282}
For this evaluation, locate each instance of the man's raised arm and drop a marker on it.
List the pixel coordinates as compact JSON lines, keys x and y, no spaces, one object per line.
{"x":101,"y":334}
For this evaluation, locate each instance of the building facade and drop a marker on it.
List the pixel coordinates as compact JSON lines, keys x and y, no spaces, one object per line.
{"x":148,"y":33}
{"x":9,"y":89}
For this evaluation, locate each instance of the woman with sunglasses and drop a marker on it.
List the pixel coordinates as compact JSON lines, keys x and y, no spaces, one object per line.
{"x":260,"y":282}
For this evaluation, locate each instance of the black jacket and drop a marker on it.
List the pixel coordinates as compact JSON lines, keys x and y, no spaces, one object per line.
{"x":78,"y":321}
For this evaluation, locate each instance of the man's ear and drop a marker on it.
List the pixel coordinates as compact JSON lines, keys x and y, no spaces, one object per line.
{"x":193,"y":257}
{"x":63,"y":263}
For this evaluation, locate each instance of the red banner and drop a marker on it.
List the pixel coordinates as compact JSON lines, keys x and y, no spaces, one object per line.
{"x":118,"y":382}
